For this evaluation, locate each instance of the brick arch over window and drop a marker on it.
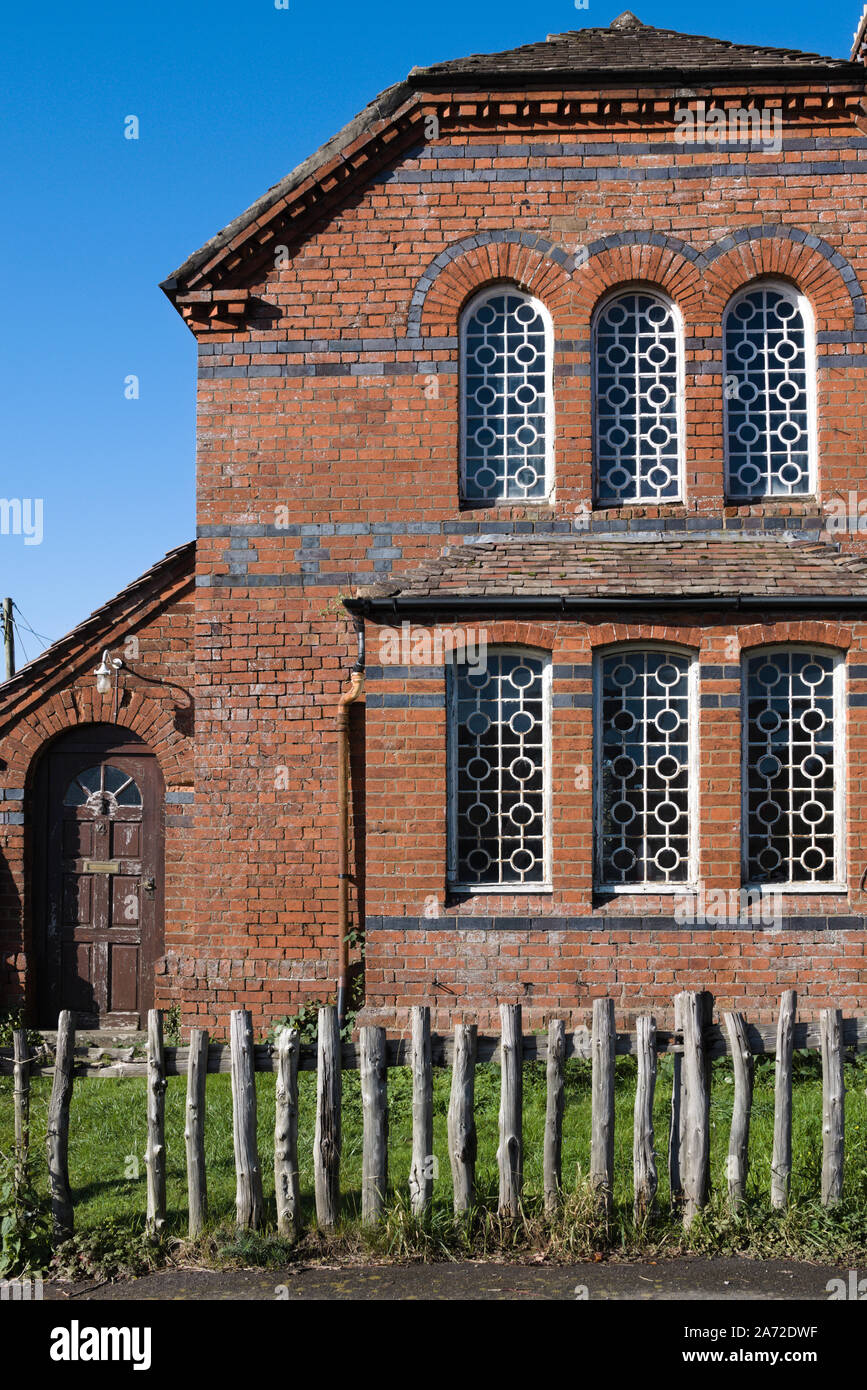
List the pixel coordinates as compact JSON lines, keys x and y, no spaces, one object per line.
{"x":530,"y":262}
{"x":152,"y":720}
{"x":808,"y":631}
{"x":667,"y":268}
{"x":835,"y":297}
{"x":611,"y":634}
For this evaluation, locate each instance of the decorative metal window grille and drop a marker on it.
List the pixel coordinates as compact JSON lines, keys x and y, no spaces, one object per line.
{"x":643,"y":771}
{"x":506,"y":397}
{"x":791,"y":790}
{"x":637,"y":378}
{"x":499,"y":805}
{"x":767,"y":395}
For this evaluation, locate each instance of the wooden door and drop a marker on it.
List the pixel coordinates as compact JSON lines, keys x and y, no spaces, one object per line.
{"x":101,"y":928}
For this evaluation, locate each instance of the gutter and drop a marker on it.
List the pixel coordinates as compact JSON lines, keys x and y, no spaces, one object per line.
{"x":391,"y":605}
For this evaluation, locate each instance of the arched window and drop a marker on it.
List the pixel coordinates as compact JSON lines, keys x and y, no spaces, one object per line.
{"x":506,"y":398}
{"x":102,"y":788}
{"x":637,"y":399}
{"x":499,"y":771}
{"x":769,"y":393}
{"x":645,"y":768}
{"x":792,"y":767}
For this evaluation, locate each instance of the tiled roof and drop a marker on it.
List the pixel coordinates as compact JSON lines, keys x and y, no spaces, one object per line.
{"x":585,"y":568}
{"x":626,"y":45}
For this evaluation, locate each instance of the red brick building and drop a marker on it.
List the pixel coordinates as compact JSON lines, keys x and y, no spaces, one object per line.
{"x":538,"y":391}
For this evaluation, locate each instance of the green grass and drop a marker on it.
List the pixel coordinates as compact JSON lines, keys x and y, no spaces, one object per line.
{"x":108,"y":1131}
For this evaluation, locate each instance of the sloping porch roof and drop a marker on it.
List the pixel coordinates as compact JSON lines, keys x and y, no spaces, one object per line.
{"x":575,"y":572}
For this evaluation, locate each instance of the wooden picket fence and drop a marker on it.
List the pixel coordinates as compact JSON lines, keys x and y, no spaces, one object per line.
{"x":694,"y":1042}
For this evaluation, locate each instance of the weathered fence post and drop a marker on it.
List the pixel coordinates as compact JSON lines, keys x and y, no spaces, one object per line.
{"x":833,"y":1105}
{"x":421,"y":1166}
{"x":194,"y":1131}
{"x":461,"y":1118}
{"x":248,"y":1172}
{"x":696,"y":1111}
{"x":374,"y":1104}
{"x":781,"y":1158}
{"x":510,"y":1154}
{"x":326,"y":1143}
{"x":21,"y":1054}
{"x":602,"y":1103}
{"x":57,"y":1131}
{"x":155,"y":1150}
{"x":286,"y":1178}
{"x":555,"y":1100}
{"x":739,"y":1137}
{"x":643,"y":1156}
{"x":675,"y":1128}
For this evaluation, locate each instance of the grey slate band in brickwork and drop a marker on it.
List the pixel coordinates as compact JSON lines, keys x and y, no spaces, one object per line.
{"x":610,"y":924}
{"x":399,"y":700}
{"x":314,"y":571}
{"x":582,"y":672}
{"x":666,"y":173}
{"x":250,"y":370}
{"x":619,"y":149}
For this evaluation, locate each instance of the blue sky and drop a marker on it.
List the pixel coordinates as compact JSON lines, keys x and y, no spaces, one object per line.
{"x":229,"y":97}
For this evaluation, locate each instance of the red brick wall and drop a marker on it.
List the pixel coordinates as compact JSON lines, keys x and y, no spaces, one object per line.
{"x":336,"y":406}
{"x":461,"y":952}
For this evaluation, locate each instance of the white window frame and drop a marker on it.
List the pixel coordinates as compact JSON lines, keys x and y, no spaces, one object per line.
{"x":690,"y":884}
{"x":491,"y":292}
{"x":839,"y":883}
{"x":796,"y":297}
{"x":605,"y":503}
{"x":454,"y":884}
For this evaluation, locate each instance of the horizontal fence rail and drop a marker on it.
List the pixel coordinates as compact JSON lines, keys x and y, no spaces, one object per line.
{"x":97,"y":1061}
{"x":694,"y":1044}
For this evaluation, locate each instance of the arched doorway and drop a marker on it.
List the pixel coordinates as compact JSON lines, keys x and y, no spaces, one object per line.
{"x":98,"y":877}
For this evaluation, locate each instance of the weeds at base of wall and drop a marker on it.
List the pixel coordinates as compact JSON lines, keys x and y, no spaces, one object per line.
{"x":172,"y":1026}
{"x":10,"y":1019}
{"x":306,"y":1020}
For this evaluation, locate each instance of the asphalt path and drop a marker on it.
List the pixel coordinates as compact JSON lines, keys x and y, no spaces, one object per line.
{"x":687,"y":1278}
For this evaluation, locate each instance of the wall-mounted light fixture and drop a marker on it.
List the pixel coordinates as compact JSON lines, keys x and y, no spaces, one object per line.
{"x":108,"y":668}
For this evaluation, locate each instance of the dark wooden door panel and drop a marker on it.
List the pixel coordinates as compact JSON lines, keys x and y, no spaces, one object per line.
{"x":124,"y":979}
{"x":126,"y":840}
{"x":77,"y":900}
